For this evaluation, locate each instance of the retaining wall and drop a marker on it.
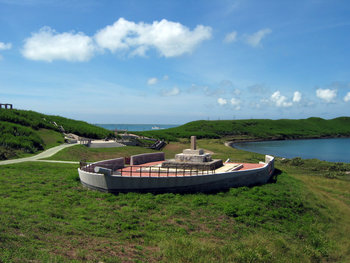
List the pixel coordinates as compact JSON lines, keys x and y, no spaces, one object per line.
{"x":113,"y":164}
{"x":146,"y":158}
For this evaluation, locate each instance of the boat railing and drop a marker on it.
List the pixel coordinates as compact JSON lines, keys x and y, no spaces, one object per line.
{"x":147,"y":171}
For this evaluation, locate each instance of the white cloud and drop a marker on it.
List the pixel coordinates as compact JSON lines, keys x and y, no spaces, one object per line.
{"x":236,"y":103}
{"x":347,"y":97}
{"x":280,"y":100}
{"x":172,"y":92}
{"x":5,"y":46}
{"x":230,"y":37}
{"x":169,"y":38}
{"x":152,"y":81}
{"x":255,"y":39}
{"x":222,"y":101}
{"x":165,"y":77}
{"x":297,"y":96}
{"x":48,"y":45}
{"x":327,"y":95}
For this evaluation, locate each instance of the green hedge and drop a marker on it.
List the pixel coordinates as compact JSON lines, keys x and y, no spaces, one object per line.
{"x":15,"y":136}
{"x":37,"y":120}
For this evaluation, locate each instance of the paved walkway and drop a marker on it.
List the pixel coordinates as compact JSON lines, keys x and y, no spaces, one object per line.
{"x":44,"y":154}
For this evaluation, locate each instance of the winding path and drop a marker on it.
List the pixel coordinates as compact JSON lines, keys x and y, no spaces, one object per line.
{"x":44,"y":154}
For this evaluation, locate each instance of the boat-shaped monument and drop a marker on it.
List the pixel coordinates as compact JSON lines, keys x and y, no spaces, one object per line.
{"x":193,"y":170}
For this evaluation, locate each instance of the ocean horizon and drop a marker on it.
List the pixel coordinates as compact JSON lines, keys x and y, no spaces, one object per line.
{"x":136,"y":127}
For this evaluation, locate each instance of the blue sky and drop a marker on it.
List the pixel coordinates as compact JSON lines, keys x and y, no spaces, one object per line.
{"x":176,"y":61}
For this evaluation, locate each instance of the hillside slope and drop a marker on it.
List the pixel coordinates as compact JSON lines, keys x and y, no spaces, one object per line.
{"x":258,"y":129}
{"x":28,"y":131}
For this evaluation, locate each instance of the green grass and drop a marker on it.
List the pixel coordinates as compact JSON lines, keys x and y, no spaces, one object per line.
{"x":81,"y":152}
{"x":37,"y":121}
{"x":23,"y":133}
{"x":16,"y":139}
{"x":257,"y":129}
{"x":47,"y":216}
{"x":50,"y":138}
{"x":22,"y":144}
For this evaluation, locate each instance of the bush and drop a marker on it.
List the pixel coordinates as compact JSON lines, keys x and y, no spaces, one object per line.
{"x":14,"y":136}
{"x":297,"y":161}
{"x":36,"y":121}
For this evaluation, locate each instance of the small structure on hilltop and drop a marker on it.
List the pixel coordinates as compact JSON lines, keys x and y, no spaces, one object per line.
{"x":6,"y":106}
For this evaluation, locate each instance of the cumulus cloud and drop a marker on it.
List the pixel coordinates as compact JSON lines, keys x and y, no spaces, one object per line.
{"x":152,"y":81}
{"x":254,"y":40}
{"x":280,"y":100}
{"x":222,"y":101}
{"x":230,"y":37}
{"x":172,"y":92}
{"x":48,"y":45}
{"x":347,"y":97}
{"x":297,"y":96}
{"x":169,"y":38}
{"x":236,"y":103}
{"x":5,"y":46}
{"x":327,"y":95}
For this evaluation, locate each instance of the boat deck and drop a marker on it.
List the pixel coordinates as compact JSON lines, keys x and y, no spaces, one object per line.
{"x":153,"y":169}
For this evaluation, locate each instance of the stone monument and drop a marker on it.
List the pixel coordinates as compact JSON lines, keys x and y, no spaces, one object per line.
{"x":193,"y":159}
{"x":6,"y":106}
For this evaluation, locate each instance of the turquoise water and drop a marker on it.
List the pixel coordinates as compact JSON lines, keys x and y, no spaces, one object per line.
{"x":332,"y":150}
{"x":136,"y":127}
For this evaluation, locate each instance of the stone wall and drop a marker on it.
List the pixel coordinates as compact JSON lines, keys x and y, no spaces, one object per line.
{"x":112,"y":164}
{"x":146,"y":158}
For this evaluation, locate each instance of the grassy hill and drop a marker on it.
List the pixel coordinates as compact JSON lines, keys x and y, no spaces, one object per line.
{"x":257,"y":129}
{"x":48,"y":216}
{"x":28,"y":131}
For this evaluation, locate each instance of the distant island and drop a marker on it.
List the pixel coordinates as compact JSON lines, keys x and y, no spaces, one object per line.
{"x":257,"y":129}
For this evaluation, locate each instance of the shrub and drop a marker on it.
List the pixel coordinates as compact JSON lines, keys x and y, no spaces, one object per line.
{"x":297,"y":161}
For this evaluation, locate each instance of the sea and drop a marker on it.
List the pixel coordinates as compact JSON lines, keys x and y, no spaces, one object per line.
{"x":137,"y":127}
{"x":332,"y":150}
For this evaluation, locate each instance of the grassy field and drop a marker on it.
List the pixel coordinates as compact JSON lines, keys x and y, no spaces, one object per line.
{"x":50,"y":138}
{"x":81,"y":152}
{"x":47,"y":216}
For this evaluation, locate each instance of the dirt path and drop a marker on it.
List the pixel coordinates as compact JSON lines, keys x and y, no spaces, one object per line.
{"x":44,"y":154}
